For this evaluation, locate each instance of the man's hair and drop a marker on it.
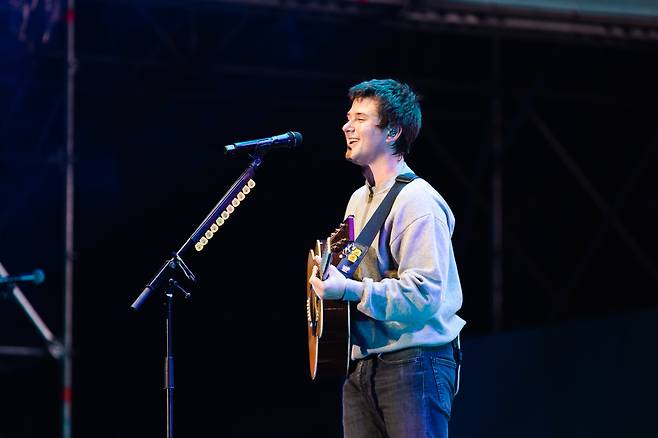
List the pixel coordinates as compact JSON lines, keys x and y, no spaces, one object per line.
{"x":398,"y":108}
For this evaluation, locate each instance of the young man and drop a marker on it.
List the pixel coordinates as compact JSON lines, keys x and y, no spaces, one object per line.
{"x":406,"y":289}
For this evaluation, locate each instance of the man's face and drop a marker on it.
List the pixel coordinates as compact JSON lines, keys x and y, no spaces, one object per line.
{"x":366,"y":141}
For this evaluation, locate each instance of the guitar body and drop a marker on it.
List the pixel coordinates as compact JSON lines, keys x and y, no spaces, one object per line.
{"x":328,"y":322}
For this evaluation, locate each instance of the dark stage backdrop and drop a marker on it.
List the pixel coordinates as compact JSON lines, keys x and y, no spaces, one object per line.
{"x":161,"y":89}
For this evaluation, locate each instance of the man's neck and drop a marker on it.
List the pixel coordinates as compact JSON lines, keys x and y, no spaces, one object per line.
{"x":382,"y":170}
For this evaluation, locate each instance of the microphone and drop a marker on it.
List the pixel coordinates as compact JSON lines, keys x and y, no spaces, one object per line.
{"x":35,"y":277}
{"x":288,"y":140}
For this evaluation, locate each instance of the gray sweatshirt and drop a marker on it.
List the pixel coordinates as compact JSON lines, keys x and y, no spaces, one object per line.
{"x":407,"y":287}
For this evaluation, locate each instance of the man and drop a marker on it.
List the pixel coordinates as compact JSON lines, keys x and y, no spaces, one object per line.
{"x":406,"y":288}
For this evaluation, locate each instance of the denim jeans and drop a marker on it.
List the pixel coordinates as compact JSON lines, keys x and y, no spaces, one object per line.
{"x":403,"y":394}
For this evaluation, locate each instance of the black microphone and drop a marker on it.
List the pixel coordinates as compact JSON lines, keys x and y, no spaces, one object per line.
{"x":35,"y":277}
{"x":288,"y":140}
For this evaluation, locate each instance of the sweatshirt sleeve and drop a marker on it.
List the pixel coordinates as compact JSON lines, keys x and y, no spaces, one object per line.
{"x":421,"y":250}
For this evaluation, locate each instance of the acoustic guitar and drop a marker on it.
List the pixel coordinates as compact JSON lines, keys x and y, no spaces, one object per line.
{"x":328,"y":322}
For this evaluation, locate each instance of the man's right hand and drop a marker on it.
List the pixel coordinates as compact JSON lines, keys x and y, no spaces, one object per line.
{"x":333,"y":288}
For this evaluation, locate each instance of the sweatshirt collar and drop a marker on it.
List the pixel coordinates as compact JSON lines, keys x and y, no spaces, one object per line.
{"x":386,"y":185}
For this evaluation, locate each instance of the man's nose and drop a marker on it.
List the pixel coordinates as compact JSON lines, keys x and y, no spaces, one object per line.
{"x":347,"y":126}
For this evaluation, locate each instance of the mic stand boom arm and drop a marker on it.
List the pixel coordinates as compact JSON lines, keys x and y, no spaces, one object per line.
{"x":210,"y":225}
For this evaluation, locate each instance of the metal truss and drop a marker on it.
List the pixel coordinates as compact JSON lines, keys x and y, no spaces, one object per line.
{"x":465,"y":17}
{"x":610,"y":220}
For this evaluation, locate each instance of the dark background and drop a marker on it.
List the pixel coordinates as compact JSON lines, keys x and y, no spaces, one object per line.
{"x":161,"y":87}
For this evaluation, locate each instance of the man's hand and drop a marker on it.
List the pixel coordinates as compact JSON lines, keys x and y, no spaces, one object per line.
{"x":333,"y":288}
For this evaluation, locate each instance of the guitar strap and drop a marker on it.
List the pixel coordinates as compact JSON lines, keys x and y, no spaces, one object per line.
{"x":362,"y":243}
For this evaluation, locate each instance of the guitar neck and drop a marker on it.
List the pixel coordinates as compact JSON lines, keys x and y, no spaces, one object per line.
{"x":326,"y":259}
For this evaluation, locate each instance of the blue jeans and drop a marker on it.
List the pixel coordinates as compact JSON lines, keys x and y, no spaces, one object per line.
{"x":403,"y":394}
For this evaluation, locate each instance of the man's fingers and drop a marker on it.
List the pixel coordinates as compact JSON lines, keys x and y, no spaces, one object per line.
{"x":316,"y":285}
{"x":313,"y":279}
{"x":314,"y":276}
{"x":332,"y":270}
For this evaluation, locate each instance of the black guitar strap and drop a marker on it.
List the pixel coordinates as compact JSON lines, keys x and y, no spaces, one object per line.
{"x":362,"y":243}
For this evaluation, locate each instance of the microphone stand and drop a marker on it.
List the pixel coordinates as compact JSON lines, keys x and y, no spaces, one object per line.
{"x":198,"y":240}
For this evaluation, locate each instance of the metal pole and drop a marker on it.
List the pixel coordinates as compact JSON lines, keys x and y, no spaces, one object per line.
{"x":497,"y":188}
{"x":67,"y":377}
{"x":169,"y":360}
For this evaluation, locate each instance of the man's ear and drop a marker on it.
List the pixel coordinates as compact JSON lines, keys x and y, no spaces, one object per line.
{"x":393,"y":133}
